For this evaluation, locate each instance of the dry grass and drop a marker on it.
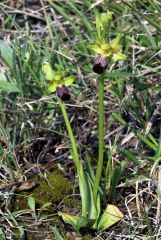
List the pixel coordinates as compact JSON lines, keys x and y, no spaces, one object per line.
{"x":33,"y":137}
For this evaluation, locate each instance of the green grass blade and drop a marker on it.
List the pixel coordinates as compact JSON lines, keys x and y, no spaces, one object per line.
{"x":146,"y":141}
{"x":56,"y":233}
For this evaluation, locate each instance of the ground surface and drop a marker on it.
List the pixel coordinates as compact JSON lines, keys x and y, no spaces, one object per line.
{"x":35,"y":156}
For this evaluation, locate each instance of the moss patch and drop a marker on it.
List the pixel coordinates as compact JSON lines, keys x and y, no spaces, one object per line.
{"x":52,"y":189}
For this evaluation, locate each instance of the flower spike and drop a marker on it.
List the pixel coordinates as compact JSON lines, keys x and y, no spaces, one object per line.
{"x":104,"y":48}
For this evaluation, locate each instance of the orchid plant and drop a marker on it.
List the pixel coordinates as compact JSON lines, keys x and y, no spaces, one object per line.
{"x":91,"y":193}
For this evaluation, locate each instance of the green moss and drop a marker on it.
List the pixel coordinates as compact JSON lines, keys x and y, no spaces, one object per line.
{"x":54,"y":189}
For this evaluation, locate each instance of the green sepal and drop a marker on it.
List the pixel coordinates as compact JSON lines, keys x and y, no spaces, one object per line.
{"x":48,"y":71}
{"x":118,"y":56}
{"x":105,"y":46}
{"x":116,"y":41}
{"x":95,"y":49}
{"x":58,"y":76}
{"x":52,"y":86}
{"x":117,"y":48}
{"x":68,"y":81}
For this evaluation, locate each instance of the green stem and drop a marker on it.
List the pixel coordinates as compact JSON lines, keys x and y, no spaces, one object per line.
{"x":71,"y":136}
{"x":77,"y":162}
{"x":101,"y":137}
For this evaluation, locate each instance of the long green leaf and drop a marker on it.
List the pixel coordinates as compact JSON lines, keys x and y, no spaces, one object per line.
{"x":93,"y":210}
{"x":7,"y":86}
{"x":2,"y":235}
{"x":56,"y":233}
{"x":22,"y":233}
{"x":158,"y":152}
{"x":6,"y":53}
{"x":146,"y":141}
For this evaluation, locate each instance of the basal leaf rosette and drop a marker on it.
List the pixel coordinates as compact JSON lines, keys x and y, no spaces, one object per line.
{"x":57,"y":81}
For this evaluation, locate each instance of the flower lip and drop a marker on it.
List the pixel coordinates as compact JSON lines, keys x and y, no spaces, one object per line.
{"x":100,"y":64}
{"x":63,"y":93}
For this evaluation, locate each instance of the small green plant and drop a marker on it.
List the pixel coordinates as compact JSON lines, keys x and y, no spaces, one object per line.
{"x":38,"y":215}
{"x":7,"y":83}
{"x":89,"y":182}
{"x":2,"y":235}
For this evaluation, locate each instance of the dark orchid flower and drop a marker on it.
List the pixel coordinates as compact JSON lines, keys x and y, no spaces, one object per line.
{"x":100,"y":64}
{"x":63,"y":93}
